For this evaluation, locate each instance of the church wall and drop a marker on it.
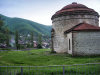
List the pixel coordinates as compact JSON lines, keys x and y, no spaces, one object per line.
{"x":66,"y":22}
{"x":60,"y":44}
{"x":86,"y":43}
{"x":61,"y":24}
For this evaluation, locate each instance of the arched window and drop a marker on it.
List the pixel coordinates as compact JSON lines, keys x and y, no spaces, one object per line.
{"x":69,"y":44}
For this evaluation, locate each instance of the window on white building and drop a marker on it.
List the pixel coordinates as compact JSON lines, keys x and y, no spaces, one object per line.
{"x":69,"y":44}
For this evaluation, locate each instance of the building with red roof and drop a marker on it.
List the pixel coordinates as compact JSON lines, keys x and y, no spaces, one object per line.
{"x":76,"y":30}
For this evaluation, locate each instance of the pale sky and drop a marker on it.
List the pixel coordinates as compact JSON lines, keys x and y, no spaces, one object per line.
{"x":40,"y":11}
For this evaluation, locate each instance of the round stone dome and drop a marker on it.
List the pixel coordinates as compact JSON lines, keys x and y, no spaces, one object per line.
{"x":74,"y":9}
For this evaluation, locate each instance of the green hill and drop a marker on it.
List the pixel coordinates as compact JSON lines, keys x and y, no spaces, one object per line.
{"x":25,"y":26}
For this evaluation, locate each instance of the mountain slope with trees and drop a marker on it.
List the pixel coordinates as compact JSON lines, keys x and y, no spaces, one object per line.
{"x":25,"y":26}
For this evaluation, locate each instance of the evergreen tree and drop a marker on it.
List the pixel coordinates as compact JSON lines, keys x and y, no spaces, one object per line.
{"x":16,"y":39}
{"x":2,"y":36}
{"x":32,"y":39}
{"x":39,"y":41}
{"x":7,"y":37}
{"x":1,"y":24}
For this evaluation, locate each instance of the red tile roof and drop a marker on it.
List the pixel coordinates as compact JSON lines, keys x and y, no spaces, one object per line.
{"x":74,"y":5}
{"x":74,"y":8}
{"x":83,"y":27}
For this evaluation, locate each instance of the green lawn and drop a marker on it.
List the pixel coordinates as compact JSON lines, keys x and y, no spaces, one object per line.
{"x":41,"y":57}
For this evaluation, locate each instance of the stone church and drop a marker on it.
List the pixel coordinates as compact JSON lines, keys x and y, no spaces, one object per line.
{"x":75,"y":30}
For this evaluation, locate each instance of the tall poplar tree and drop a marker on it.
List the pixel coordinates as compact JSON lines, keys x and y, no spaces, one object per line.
{"x":39,"y":41}
{"x":16,"y":39}
{"x":2,"y":36}
{"x":32,"y":39}
{"x":7,"y":37}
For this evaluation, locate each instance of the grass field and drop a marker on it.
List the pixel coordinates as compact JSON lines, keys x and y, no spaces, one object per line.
{"x":93,"y":69}
{"x":42,"y":57}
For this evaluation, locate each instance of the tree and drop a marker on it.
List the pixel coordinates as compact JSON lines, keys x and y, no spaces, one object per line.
{"x":39,"y":41}
{"x":16,"y":39}
{"x":1,"y":24}
{"x":2,"y":36}
{"x":32,"y":39}
{"x":7,"y":37}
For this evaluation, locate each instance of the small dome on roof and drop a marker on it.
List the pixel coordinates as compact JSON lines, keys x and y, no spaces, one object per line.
{"x":75,"y":8}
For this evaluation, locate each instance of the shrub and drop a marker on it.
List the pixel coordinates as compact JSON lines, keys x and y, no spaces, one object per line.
{"x":22,"y":46}
{"x":5,"y":49}
{"x":28,"y":45}
{"x":39,"y":46}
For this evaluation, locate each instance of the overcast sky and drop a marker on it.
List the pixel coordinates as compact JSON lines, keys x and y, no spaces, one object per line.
{"x":40,"y":11}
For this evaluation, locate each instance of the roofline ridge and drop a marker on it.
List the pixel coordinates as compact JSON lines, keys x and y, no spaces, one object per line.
{"x":72,"y":29}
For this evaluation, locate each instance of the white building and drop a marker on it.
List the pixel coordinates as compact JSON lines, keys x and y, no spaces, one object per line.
{"x":76,"y":30}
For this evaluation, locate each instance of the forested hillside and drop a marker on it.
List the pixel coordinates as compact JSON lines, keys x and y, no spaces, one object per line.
{"x":25,"y":26}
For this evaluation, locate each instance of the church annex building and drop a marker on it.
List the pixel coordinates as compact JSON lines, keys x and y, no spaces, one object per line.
{"x":76,"y":30}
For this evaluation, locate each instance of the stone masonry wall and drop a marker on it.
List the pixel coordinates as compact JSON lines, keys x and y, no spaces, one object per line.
{"x":60,"y":44}
{"x":67,"y":22}
{"x":61,"y":24}
{"x":86,"y":43}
